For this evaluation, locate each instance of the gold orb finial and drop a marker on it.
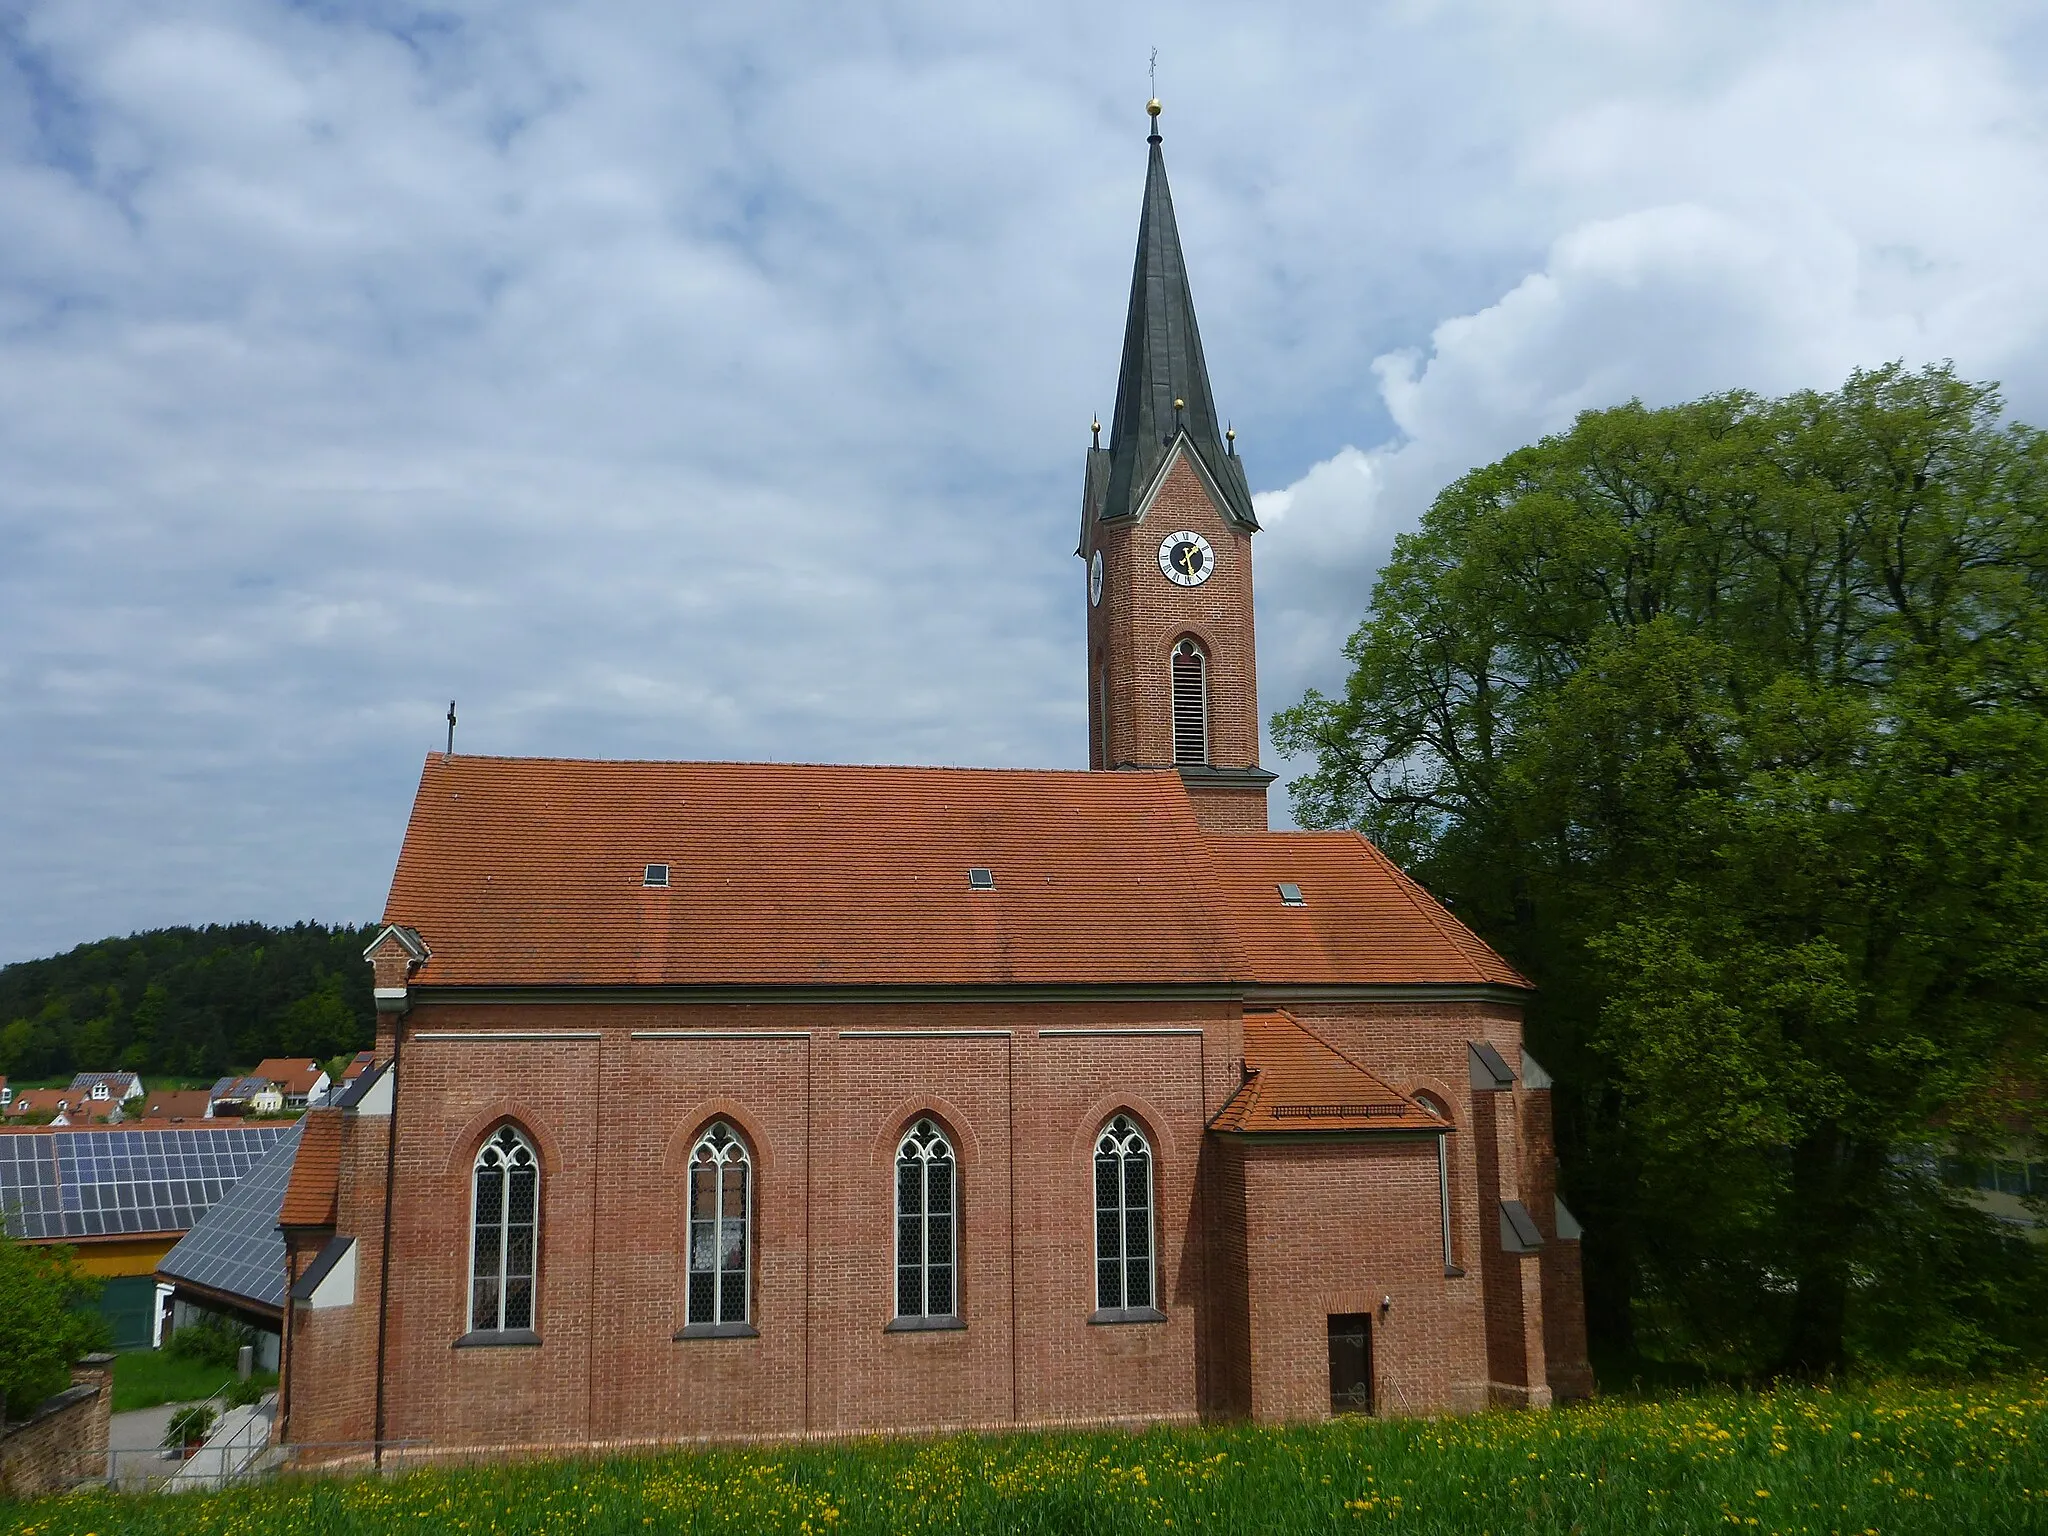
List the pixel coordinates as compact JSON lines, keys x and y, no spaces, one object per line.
{"x":1231,"y":434}
{"x":1152,"y":107}
{"x":1179,"y":404}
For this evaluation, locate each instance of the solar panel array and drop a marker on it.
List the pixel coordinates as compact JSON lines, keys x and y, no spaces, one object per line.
{"x":236,"y":1247}
{"x":73,"y":1184}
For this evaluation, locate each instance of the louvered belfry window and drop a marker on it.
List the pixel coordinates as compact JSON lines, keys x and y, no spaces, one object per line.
{"x":1123,"y":1217}
{"x":925,"y":1231}
{"x":506,"y":1227}
{"x":1190,"y":703}
{"x":718,"y":1228}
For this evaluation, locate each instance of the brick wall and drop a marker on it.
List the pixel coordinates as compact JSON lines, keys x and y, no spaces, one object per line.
{"x":1229,"y":808}
{"x":1342,"y":1227}
{"x":1422,"y":1047}
{"x":1254,"y":1247}
{"x":1142,"y":614}
{"x":327,"y":1389}
{"x":64,"y":1441}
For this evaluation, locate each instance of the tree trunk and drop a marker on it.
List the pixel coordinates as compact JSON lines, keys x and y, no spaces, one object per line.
{"x":1828,"y":1173}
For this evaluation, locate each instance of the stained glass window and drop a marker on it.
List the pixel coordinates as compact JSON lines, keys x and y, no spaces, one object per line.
{"x":719,"y":1210}
{"x":926,"y":1260}
{"x":507,"y":1227}
{"x":1123,"y":1217}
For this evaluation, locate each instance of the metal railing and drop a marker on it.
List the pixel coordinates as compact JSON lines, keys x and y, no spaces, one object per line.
{"x":248,"y":1457}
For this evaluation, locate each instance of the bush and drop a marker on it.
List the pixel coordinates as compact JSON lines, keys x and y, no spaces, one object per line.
{"x":211,"y":1340}
{"x":194,"y":1423}
{"x":246,"y":1394}
{"x":42,"y":1329}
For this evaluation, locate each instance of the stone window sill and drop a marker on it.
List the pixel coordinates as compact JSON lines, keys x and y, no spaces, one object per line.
{"x":925,"y":1325}
{"x":1454,"y":1272}
{"x":1110,"y":1316}
{"x":499,"y":1338}
{"x":718,"y":1331}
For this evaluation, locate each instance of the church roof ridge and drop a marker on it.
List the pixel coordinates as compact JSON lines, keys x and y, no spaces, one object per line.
{"x":1162,"y":393}
{"x":537,"y":759}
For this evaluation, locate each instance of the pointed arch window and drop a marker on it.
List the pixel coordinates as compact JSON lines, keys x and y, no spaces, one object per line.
{"x":504,"y":1233}
{"x":721,"y":1208}
{"x":927,"y":1258}
{"x":1123,"y":1220}
{"x":1190,"y":703}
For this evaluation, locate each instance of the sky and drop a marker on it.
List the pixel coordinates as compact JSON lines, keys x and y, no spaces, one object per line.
{"x":712,"y":381}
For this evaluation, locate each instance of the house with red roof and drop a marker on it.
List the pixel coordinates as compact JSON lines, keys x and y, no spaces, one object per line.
{"x":67,"y":1106}
{"x":175,"y":1104}
{"x":953,"y":1098}
{"x":300,"y":1080}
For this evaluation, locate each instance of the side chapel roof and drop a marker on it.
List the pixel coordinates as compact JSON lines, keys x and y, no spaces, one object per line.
{"x":531,"y":872}
{"x":1296,"y":1081}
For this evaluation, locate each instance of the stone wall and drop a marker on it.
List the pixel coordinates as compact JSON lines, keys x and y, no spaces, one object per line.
{"x":65,"y":1440}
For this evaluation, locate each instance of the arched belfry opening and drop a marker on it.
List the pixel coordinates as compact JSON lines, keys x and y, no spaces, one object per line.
{"x":1166,"y":530}
{"x":1190,"y":703}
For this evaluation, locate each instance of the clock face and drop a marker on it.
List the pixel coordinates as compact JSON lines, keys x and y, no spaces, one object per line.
{"x":1095,"y":580}
{"x":1186,"y":559}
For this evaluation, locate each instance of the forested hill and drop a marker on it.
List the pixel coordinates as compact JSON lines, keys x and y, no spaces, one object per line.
{"x":187,"y":1002}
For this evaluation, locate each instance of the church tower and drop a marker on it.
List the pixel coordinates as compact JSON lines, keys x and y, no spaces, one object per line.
{"x":1166,"y":533}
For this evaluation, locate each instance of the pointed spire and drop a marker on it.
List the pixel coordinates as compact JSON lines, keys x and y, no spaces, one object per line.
{"x":1163,"y":388}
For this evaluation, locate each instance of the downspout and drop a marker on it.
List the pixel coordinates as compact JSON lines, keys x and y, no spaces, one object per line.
{"x":284,"y":1354}
{"x":384,"y":1259}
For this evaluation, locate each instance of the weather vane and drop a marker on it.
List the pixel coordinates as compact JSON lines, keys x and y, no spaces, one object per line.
{"x":1153,"y":74}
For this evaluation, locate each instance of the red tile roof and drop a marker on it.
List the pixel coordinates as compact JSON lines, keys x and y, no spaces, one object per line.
{"x":81,"y":1107}
{"x":529,"y":871}
{"x":310,"y":1197}
{"x":1361,"y":920}
{"x":291,"y":1074}
{"x":1299,"y":1082}
{"x":176,"y":1104}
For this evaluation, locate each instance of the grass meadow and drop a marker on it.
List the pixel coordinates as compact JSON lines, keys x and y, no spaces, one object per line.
{"x":147,"y":1378}
{"x":1879,"y":1461}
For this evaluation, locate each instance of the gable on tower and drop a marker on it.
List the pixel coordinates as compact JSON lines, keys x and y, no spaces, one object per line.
{"x":1172,"y":665}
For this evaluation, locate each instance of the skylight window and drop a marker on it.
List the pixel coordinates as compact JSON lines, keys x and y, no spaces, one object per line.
{"x":979,"y":879}
{"x":657,"y":874}
{"x":1290,"y":895}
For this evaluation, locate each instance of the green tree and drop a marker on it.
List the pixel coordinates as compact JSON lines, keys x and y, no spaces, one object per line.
{"x":44,"y":1327}
{"x":187,"y":1001}
{"x":320,"y":1023}
{"x":1725,"y":722}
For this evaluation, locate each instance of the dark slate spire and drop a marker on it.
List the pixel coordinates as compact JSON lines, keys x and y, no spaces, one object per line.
{"x":1163,"y":363}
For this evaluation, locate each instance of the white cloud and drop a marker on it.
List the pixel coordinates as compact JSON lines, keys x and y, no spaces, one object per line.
{"x":681,"y":381}
{"x":1856,"y":195}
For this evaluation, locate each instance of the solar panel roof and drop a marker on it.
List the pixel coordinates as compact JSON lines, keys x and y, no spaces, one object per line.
{"x":83,"y":1184}
{"x":236,"y":1247}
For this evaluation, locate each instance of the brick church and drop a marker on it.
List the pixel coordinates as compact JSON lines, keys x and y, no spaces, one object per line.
{"x":744,"y":1099}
